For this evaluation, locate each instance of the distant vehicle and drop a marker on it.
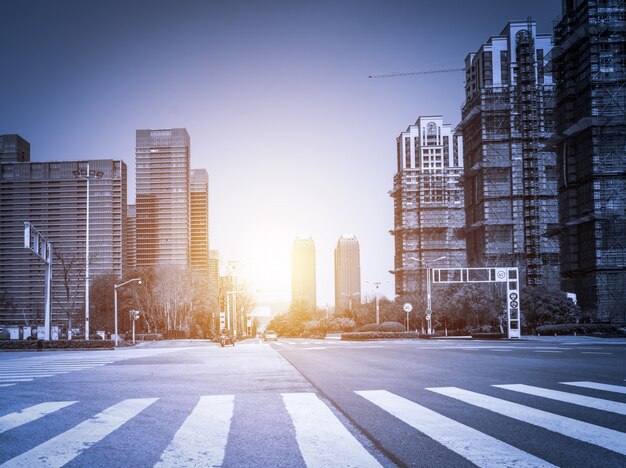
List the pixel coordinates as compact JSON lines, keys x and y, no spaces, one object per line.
{"x":226,"y":337}
{"x":271,"y":335}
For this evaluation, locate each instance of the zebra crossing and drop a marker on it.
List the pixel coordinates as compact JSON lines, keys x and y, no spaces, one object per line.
{"x":15,"y":371}
{"x":322,"y":437}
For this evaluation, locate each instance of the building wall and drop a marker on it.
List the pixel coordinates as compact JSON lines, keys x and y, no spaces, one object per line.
{"x":428,"y":201}
{"x":591,"y":145}
{"x":14,"y":148}
{"x":510,"y":175}
{"x":131,"y":238}
{"x":163,"y":197}
{"x":53,"y":198}
{"x":200,"y":222}
{"x":303,"y":275}
{"x":347,"y":273}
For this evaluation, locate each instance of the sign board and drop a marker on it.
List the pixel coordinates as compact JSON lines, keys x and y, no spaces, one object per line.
{"x":222,"y":320}
{"x":407,"y":307}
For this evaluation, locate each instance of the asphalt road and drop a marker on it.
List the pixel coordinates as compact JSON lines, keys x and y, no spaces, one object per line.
{"x":318,"y":403}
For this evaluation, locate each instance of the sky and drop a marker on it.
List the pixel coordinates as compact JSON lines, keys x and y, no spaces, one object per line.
{"x":274,"y":94}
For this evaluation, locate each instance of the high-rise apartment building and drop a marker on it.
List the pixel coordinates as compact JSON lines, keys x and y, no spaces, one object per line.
{"x":131,"y":238}
{"x":590,"y":64}
{"x":347,"y":273}
{"x":53,"y":197}
{"x":13,"y":148}
{"x":163,"y":197}
{"x":510,"y":174}
{"x":200,"y":222}
{"x":303,"y":279}
{"x":428,"y":202}
{"x":214,"y":268}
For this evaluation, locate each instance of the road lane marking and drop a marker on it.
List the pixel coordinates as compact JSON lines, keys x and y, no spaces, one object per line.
{"x":574,"y":399}
{"x":478,"y":448}
{"x":31,"y":413}
{"x":546,"y":351}
{"x":598,"y":386}
{"x":66,"y":446}
{"x":10,"y":379}
{"x":594,"y":352}
{"x":322,"y":439}
{"x":6,"y":384}
{"x":596,"y":435}
{"x":202,"y":439}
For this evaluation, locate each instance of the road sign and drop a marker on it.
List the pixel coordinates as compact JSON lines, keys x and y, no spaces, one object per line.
{"x":428,"y":312}
{"x":407,"y":307}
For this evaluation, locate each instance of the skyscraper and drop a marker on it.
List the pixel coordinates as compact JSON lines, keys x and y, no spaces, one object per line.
{"x":200,"y":222}
{"x":510,"y":175}
{"x":163,"y":197}
{"x":590,"y":64}
{"x":428,"y":202}
{"x":347,"y":273}
{"x":131,"y":237}
{"x":53,"y":197}
{"x":303,"y":285}
{"x":13,"y":148}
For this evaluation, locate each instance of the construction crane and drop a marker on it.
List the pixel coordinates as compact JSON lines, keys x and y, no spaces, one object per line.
{"x":422,"y":72}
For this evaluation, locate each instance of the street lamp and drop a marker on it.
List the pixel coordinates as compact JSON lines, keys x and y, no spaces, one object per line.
{"x":115,"y":300}
{"x":87,"y":175}
{"x":428,"y":301}
{"x":377,"y":286}
{"x":350,"y":296}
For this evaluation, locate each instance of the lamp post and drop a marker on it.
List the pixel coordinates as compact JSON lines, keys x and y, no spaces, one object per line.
{"x":115,"y":301}
{"x":377,"y":286}
{"x":87,"y":175}
{"x":350,"y":296}
{"x":428,"y":295}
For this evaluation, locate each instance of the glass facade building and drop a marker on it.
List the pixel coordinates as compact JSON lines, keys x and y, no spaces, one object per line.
{"x":163,"y":197}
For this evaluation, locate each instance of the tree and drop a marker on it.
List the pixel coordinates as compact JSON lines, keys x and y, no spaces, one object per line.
{"x":541,"y":305}
{"x":102,"y":302}
{"x":69,"y":274}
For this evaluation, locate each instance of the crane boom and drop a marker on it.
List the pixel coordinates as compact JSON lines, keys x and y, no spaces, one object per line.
{"x":422,"y":72}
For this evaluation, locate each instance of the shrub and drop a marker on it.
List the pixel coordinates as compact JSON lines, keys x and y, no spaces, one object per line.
{"x":580,"y":329}
{"x":356,"y":336}
{"x":383,"y":327}
{"x":61,"y":344}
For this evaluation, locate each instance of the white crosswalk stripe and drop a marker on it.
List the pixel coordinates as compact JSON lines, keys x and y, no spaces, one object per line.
{"x":322,"y":439}
{"x":65,"y":447}
{"x":201,"y":440}
{"x":13,"y":420}
{"x":603,"y":437}
{"x":598,"y":386}
{"x":581,"y":400}
{"x":479,"y":448}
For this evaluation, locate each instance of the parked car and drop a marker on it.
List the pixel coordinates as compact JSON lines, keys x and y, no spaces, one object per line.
{"x":271,"y":335}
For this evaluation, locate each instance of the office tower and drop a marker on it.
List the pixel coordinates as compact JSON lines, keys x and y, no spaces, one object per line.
{"x":200,"y":222}
{"x":131,"y":238}
{"x":303,"y":285}
{"x":13,"y":148}
{"x":163,"y":197}
{"x":510,"y":174}
{"x":590,"y":64}
{"x":53,"y":197}
{"x":214,"y":267}
{"x":428,"y":202}
{"x":347,"y":274}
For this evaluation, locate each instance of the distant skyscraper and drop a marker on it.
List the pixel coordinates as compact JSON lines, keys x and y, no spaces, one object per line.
{"x":163,"y":197}
{"x":200,"y":222}
{"x":303,"y":285}
{"x":131,"y":237}
{"x":214,"y":267}
{"x":428,"y":202}
{"x":590,"y":66}
{"x":510,"y":175}
{"x":13,"y":148}
{"x":347,"y":273}
{"x":53,"y":197}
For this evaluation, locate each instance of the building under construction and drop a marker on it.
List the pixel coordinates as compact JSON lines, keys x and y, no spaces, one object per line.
{"x":428,"y":202}
{"x":510,"y":177}
{"x":590,"y":67}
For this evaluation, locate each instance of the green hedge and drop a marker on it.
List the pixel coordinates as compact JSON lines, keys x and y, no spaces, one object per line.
{"x":61,"y":344}
{"x":583,"y":329}
{"x":356,"y":336}
{"x":383,"y":327}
